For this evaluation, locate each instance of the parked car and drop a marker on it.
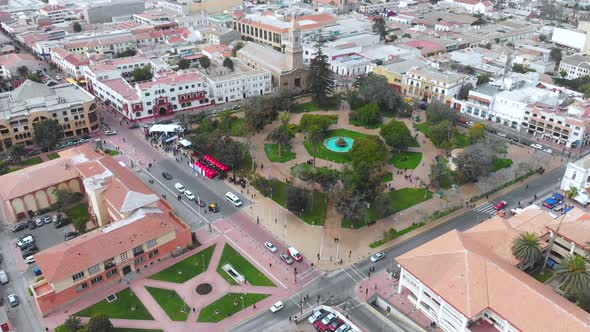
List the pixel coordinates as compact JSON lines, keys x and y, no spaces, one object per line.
{"x":377,"y":257}
{"x":110,"y":132}
{"x":270,"y":246}
{"x":213,"y":207}
{"x":286,"y":258}
{"x":166,"y":175}
{"x":27,"y":246}
{"x":19,"y":227}
{"x":39,"y":222}
{"x":502,"y":135}
{"x":61,"y":223}
{"x":189,"y":195}
{"x":316,"y":315}
{"x":179,"y":187}
{"x":30,"y":252}
{"x":335,"y":324}
{"x":70,"y":236}
{"x":26,"y":239}
{"x":235,"y":107}
{"x":559,"y":208}
{"x":30,"y":260}
{"x":295,"y":254}
{"x":500,"y":205}
{"x":47,"y":219}
{"x":323,"y":323}
{"x":537,"y":146}
{"x":549,"y":151}
{"x":276,"y":307}
{"x":134,"y":125}
{"x":56,"y":218}
{"x":3,"y":277}
{"x":13,"y":300}
{"x":343,"y":328}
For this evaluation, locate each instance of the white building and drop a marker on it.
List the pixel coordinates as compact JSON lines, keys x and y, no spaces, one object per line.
{"x":577,"y":175}
{"x":55,"y":13}
{"x":575,"y":39}
{"x":474,"y":6}
{"x":242,"y":82}
{"x":575,"y":66}
{"x":350,"y":65}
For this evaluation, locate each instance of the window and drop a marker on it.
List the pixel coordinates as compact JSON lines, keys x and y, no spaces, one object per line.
{"x":124,"y":257}
{"x":78,"y":276}
{"x":96,"y":280}
{"x":111,"y":273}
{"x":93,"y":269}
{"x":149,"y":103}
{"x":151,"y":243}
{"x":64,"y":113}
{"x":147,"y":94}
{"x":154,"y":253}
{"x":81,"y":287}
{"x":140,"y":259}
{"x":172,"y":89}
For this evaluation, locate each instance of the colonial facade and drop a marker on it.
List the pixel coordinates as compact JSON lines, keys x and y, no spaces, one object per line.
{"x":428,"y":84}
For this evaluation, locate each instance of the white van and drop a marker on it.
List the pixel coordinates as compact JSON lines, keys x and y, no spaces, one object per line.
{"x":179,"y":187}
{"x":27,"y":239}
{"x":233,"y":199}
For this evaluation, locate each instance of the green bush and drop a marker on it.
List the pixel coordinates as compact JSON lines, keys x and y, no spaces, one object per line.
{"x":322,"y":121}
{"x":393,"y":234}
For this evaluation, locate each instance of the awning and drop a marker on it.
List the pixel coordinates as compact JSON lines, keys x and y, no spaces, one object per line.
{"x":185,"y":142}
{"x":168,"y":140}
{"x":165,"y":128}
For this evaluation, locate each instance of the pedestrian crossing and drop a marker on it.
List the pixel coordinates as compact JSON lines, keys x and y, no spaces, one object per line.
{"x":486,"y":208}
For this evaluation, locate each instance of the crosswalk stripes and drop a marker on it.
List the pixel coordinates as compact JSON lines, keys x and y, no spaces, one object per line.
{"x":487,"y":208}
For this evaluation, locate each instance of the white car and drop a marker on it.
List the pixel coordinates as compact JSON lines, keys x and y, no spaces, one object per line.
{"x":47,"y":219}
{"x":3,"y":277}
{"x":377,"y":257}
{"x":189,"y":195}
{"x":315,"y":316}
{"x":276,"y":307}
{"x":30,"y":259}
{"x":110,"y":132}
{"x":39,"y":222}
{"x":12,"y":300}
{"x":58,"y":77}
{"x":537,"y":146}
{"x":549,"y":151}
{"x":502,"y":135}
{"x":179,"y":187}
{"x":270,"y":246}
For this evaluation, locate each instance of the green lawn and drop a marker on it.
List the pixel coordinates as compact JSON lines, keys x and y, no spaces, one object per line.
{"x":189,"y":267}
{"x":120,"y":308}
{"x":388,"y":177}
{"x":358,"y":123}
{"x":243,"y":266}
{"x":171,"y":303}
{"x":399,"y":200}
{"x":228,"y":305}
{"x":238,"y":127}
{"x":31,"y":162}
{"x":79,"y":213}
{"x":406,"y":160}
{"x":460,"y":140}
{"x":500,"y":163}
{"x":314,"y":214}
{"x":331,"y":119}
{"x":272,"y":153}
{"x":52,"y":155}
{"x":338,"y":157}
{"x":311,"y":106}
{"x":542,"y":278}
{"x":111,"y":152}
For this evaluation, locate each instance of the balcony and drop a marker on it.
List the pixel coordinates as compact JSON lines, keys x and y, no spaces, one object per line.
{"x":109,"y":264}
{"x":138,"y":252}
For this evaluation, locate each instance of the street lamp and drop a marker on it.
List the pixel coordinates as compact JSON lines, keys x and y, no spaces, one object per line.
{"x":242,"y":297}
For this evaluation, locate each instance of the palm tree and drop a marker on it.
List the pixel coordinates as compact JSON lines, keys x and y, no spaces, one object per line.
{"x":315,"y":136}
{"x":73,"y":323}
{"x":570,"y":194}
{"x":527,"y":249}
{"x":573,"y":274}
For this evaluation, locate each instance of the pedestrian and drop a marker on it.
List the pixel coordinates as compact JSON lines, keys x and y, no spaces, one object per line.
{"x":289,"y":319}
{"x":269,"y":264}
{"x":254,"y":305}
{"x":194,"y":310}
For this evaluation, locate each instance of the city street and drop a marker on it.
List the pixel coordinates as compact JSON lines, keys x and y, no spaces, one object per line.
{"x":337,"y":288}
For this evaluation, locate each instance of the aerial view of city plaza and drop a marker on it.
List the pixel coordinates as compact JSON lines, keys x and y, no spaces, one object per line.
{"x":294,"y":165}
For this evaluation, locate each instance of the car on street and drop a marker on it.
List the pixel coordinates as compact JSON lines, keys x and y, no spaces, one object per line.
{"x":30,"y":260}
{"x":26,"y":239}
{"x":166,"y":175}
{"x":377,"y":257}
{"x":19,"y":227}
{"x":58,"y":77}
{"x":286,"y":258}
{"x":189,"y":195}
{"x":13,"y":300}
{"x":270,"y":246}
{"x":549,"y":151}
{"x":537,"y":146}
{"x":500,"y":205}
{"x":30,"y":252}
{"x":213,"y":207}
{"x":276,"y":307}
{"x":134,"y":125}
{"x":502,"y":135}
{"x":47,"y":219}
{"x":235,"y":107}
{"x":110,"y":132}
{"x":335,"y":324}
{"x":39,"y":222}
{"x":343,"y":328}
{"x":70,"y":235}
{"x":200,"y":203}
{"x":315,"y":316}
{"x":295,"y":254}
{"x":323,"y":323}
{"x":3,"y":277}
{"x":470,"y":123}
{"x":179,"y":187}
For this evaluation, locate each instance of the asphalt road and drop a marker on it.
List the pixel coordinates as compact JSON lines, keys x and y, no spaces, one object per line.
{"x":337,"y":288}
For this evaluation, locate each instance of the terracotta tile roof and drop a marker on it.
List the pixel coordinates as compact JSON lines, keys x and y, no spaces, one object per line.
{"x":68,"y":258}
{"x":575,"y":226}
{"x":471,"y":272}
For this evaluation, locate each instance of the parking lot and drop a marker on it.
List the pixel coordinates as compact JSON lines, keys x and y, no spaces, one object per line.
{"x":45,"y":236}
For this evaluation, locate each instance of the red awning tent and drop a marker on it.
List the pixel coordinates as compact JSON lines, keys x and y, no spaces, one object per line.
{"x":204,"y":170}
{"x":216,"y":162}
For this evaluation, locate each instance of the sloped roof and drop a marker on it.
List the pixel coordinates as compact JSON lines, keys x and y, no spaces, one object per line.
{"x":30,"y":90}
{"x":472,"y":272}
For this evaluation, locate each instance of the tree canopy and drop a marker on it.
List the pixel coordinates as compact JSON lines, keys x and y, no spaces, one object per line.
{"x":205,"y":62}
{"x":397,"y":135}
{"x":475,"y":163}
{"x":477,"y":132}
{"x":228,"y":63}
{"x":322,"y":77}
{"x":464,"y":91}
{"x":76,"y":27}
{"x":368,"y":115}
{"x":100,"y":323}
{"x":375,"y":89}
{"x":369,"y":150}
{"x":282,"y":136}
{"x":142,"y":74}
{"x":438,"y":112}
{"x":47,"y":133}
{"x":379,"y":27}
{"x":296,"y":199}
{"x":184,"y":64}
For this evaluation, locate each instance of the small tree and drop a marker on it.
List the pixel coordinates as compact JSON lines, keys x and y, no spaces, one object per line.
{"x":17,"y":152}
{"x":62,"y":198}
{"x":563,"y":73}
{"x":296,"y":199}
{"x":483,"y":79}
{"x":396,"y":135}
{"x":315,"y":136}
{"x":380,"y":28}
{"x":477,"y":132}
{"x":143,"y":74}
{"x":406,"y":35}
{"x":464,"y":91}
{"x":556,"y":55}
{"x":284,"y":117}
{"x":281,"y":136}
{"x":100,"y":323}
{"x":184,"y":64}
{"x":47,"y":133}
{"x":23,"y":71}
{"x":205,"y":62}
{"x":228,"y":63}
{"x":526,"y":247}
{"x":34,"y":77}
{"x":73,"y":323}
{"x":77,"y":27}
